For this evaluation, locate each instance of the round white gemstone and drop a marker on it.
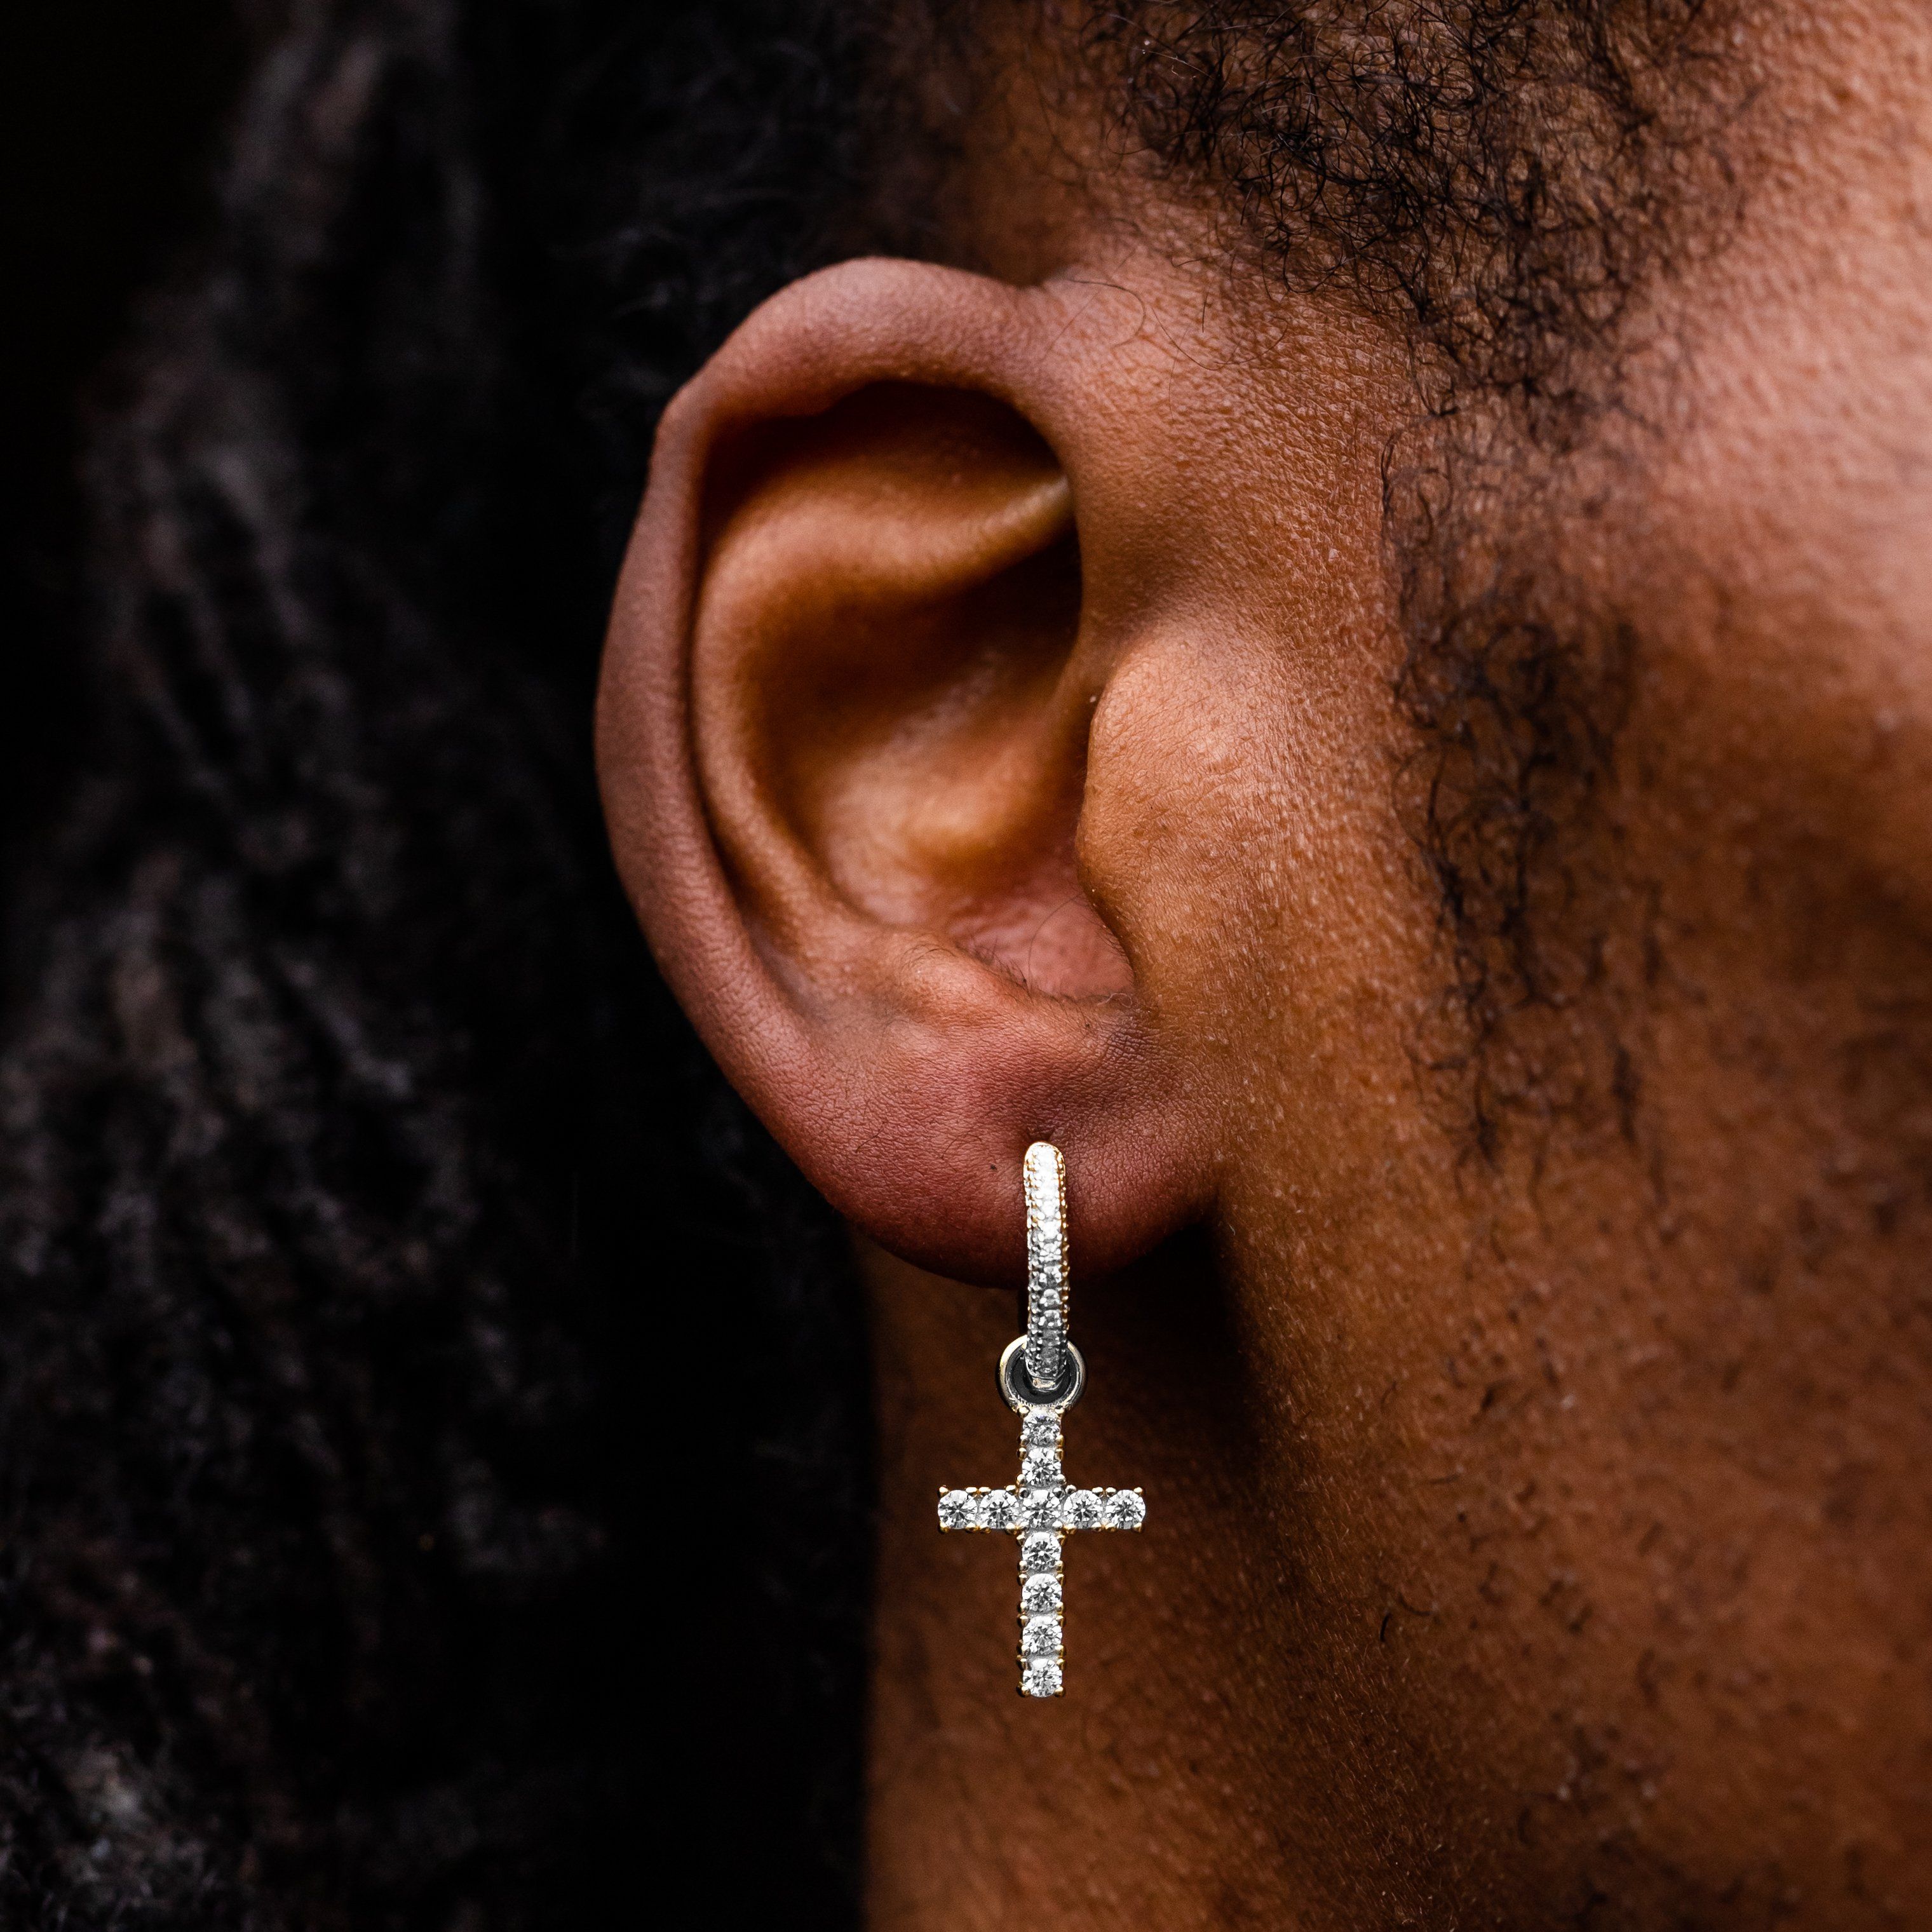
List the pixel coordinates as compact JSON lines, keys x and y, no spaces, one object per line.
{"x":959,"y":1509}
{"x":1125,"y":1510}
{"x":1039,"y":1552}
{"x":1041,"y":1678}
{"x":1041,"y":1428}
{"x":999,"y":1509}
{"x":1039,"y":1636}
{"x":1039,"y":1596}
{"x":1082,"y":1510}
{"x":1039,"y":1509}
{"x":1042,"y":1466}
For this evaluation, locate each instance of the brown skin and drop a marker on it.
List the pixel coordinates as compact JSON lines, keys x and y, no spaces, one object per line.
{"x":1533,"y":1541}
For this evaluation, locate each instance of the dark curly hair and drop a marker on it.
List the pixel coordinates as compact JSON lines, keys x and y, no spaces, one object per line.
{"x":433,"y":1419}
{"x":396,"y":1309}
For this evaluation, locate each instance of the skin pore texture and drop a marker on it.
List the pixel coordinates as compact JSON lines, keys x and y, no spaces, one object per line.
{"x":1004,"y":735}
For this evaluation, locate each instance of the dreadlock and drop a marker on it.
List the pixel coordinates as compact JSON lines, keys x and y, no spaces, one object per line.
{"x":348,"y":1172}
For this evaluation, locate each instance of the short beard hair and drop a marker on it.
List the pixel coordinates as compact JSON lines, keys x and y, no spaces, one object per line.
{"x":1504,"y":183}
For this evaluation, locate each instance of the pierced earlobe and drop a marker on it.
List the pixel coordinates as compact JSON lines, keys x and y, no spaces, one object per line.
{"x":843,"y":740}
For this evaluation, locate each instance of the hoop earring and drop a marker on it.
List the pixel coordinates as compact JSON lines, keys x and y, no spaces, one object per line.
{"x":1041,"y":1376}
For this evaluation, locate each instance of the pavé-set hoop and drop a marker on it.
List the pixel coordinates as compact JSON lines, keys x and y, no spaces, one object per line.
{"x":1042,"y":1376}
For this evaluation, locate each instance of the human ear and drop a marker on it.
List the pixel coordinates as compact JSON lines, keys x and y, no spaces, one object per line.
{"x":870,"y":612}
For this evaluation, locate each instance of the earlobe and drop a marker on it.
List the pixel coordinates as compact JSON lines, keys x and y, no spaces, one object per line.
{"x":842,"y":738}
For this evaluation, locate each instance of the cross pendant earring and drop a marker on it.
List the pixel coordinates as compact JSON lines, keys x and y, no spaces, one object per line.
{"x":1042,"y":1376}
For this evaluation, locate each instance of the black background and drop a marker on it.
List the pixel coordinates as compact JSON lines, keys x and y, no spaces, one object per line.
{"x":110,"y":115}
{"x":112,"y":120}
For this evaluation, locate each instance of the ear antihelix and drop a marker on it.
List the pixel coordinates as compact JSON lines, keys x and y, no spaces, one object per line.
{"x":882,"y":700}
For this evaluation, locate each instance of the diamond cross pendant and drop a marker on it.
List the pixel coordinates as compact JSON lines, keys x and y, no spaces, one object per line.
{"x":1040,"y":1510}
{"x":1042,"y":1375}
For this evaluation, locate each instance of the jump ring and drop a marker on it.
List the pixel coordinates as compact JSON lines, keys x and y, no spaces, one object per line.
{"x":1022,"y":1393}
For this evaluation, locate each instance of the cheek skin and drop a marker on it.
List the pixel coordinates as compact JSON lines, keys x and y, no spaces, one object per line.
{"x":1607,"y":1477}
{"x":1533,"y":1543}
{"x":1594,"y":1483}
{"x":1593,"y":1486}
